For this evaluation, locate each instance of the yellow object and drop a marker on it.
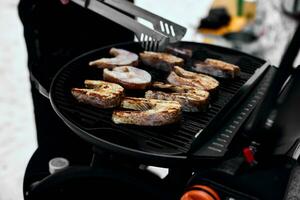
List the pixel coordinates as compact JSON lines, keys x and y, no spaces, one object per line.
{"x":230,"y":5}
{"x":208,"y":40}
{"x":250,"y":9}
{"x":236,"y":24}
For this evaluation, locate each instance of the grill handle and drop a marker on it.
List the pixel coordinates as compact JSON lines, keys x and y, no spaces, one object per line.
{"x":262,"y":112}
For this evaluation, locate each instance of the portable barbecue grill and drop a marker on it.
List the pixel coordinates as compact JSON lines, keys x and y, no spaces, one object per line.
{"x":162,"y":146}
{"x":198,"y":140}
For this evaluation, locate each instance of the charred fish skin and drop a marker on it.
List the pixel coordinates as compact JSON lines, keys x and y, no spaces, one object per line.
{"x":147,"y":112}
{"x":121,"y":58}
{"x":160,"y":61}
{"x":99,"y":94}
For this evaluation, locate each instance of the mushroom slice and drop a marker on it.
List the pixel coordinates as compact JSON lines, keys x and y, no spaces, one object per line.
{"x":160,"y":61}
{"x":121,"y":58}
{"x":129,"y":77}
{"x":180,"y":77}
{"x":147,"y":112}
{"x":100,"y":94}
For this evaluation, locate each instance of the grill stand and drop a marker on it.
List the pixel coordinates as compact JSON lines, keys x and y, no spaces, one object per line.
{"x":174,"y":182}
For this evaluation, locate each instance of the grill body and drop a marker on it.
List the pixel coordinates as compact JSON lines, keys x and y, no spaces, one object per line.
{"x":162,"y":146}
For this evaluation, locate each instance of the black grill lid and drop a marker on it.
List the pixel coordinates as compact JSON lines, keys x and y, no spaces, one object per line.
{"x":160,"y":145}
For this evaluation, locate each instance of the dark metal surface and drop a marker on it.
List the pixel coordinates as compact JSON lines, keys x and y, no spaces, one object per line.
{"x":219,"y":143}
{"x":269,"y":102}
{"x":163,"y":146}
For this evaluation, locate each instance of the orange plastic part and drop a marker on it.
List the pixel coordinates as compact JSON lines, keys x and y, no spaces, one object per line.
{"x":206,"y":193}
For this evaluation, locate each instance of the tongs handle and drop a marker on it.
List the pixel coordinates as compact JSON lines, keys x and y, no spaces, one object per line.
{"x":174,"y":31}
{"x":155,"y":39}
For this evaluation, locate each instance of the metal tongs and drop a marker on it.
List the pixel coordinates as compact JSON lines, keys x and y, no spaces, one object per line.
{"x":156,"y":39}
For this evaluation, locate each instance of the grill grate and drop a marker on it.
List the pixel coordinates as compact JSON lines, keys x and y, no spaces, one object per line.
{"x":173,"y":139}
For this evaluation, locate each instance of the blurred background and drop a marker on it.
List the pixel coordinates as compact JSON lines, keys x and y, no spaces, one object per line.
{"x":255,"y":27}
{"x":17,"y":131}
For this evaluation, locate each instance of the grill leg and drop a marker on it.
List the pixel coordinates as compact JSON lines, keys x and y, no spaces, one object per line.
{"x":103,"y":158}
{"x":177,"y":179}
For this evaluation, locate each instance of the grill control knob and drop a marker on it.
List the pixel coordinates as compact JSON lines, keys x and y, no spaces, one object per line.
{"x":57,"y":164}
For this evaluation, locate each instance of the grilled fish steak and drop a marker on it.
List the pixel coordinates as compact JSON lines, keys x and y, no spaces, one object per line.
{"x":180,"y":89}
{"x":217,"y":68}
{"x":180,"y":77}
{"x":100,"y":94}
{"x":160,"y":61}
{"x":121,"y":58}
{"x":180,"y":52}
{"x":189,"y":102}
{"x":192,"y":99}
{"x":147,"y":112}
{"x":127,"y":76}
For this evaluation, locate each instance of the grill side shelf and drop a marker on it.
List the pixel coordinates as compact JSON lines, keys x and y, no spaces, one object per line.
{"x":218,"y":145}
